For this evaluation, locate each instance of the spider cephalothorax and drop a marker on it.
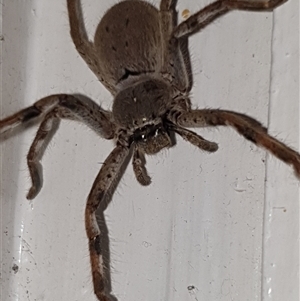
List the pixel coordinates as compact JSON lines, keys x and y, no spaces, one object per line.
{"x":138,"y":55}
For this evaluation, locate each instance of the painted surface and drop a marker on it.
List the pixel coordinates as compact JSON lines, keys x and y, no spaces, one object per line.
{"x":221,"y":226}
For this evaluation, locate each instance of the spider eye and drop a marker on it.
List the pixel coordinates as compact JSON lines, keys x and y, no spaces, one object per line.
{"x":147,"y":132}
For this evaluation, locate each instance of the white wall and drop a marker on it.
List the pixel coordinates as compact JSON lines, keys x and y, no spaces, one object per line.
{"x":226,"y":223}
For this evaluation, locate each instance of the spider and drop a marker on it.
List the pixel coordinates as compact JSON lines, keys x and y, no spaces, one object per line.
{"x":138,"y":55}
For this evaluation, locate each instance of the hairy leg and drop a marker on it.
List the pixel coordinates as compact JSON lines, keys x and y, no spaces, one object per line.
{"x":101,"y":190}
{"x":195,"y":139}
{"x":174,"y":64}
{"x":85,"y":48}
{"x":53,"y":108}
{"x":167,"y":4}
{"x":79,"y":36}
{"x":43,"y":136}
{"x":211,"y":12}
{"x":87,"y":112}
{"x":248,"y":127}
{"x":139,"y":168}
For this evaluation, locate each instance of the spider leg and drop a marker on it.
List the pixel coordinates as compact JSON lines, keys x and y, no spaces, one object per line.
{"x":167,"y":4}
{"x":175,"y":60}
{"x":139,"y":168}
{"x":52,"y":109}
{"x":195,"y":139}
{"x":86,"y":111}
{"x":85,"y":48}
{"x":102,"y":189}
{"x":79,"y":36}
{"x":246,"y":126}
{"x":47,"y":128}
{"x":211,"y":12}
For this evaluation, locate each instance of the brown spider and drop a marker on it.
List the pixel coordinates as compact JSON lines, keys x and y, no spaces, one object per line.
{"x":139,"y":57}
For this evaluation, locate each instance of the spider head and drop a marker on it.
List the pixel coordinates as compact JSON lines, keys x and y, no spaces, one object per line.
{"x":139,"y":110}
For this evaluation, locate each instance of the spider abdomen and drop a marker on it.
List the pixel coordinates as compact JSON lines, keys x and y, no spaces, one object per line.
{"x":128,"y":42}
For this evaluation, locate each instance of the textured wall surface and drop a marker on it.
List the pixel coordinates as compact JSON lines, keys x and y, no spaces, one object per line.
{"x":222,"y":226}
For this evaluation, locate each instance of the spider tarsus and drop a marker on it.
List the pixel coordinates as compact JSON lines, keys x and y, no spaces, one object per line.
{"x":103,"y":298}
{"x":99,"y":288}
{"x":213,"y":147}
{"x":297,"y":168}
{"x":144,"y":179}
{"x":32,"y":193}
